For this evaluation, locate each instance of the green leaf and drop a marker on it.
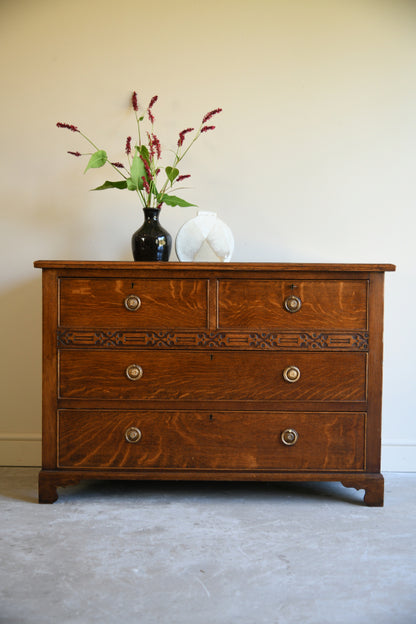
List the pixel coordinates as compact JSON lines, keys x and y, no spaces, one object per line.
{"x":153,"y":188}
{"x":137,"y":171}
{"x":143,"y":151}
{"x":132,"y":186}
{"x":172,"y":173}
{"x":98,"y":159}
{"x":107,"y":185}
{"x":171,"y":200}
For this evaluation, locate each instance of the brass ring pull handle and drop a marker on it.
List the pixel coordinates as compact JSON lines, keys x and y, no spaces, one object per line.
{"x":132,"y":303}
{"x":289,"y":437}
{"x":133,"y":435}
{"x":291,"y":374}
{"x":292,"y":303}
{"x":134,"y":372}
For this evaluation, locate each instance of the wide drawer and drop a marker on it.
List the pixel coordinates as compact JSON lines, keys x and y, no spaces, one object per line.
{"x":277,"y":304}
{"x":200,"y":375}
{"x":142,"y":303}
{"x":211,"y":440}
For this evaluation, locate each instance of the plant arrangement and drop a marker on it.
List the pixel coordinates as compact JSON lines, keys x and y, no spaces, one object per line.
{"x":144,"y":175}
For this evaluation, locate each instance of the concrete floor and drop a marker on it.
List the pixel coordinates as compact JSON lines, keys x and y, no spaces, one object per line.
{"x":204,"y":553}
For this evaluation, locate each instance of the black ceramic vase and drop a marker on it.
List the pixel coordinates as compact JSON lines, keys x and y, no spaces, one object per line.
{"x":151,"y":242}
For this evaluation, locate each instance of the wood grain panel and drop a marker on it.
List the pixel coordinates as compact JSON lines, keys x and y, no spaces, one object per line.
{"x":326,"y":304}
{"x":99,"y":302}
{"x":219,"y":440}
{"x":196,"y":375}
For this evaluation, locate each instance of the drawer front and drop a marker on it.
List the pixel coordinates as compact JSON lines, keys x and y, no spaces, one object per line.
{"x":190,"y":375}
{"x":144,"y":303}
{"x":217,"y":440}
{"x":262,"y":304}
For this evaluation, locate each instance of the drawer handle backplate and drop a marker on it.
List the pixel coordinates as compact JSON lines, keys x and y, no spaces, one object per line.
{"x":133,"y":435}
{"x":289,"y":437}
{"x":291,"y":374}
{"x":292,"y":303}
{"x":134,"y":372}
{"x":132,"y":303}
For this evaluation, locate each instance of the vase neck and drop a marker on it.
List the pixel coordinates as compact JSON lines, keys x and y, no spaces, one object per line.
{"x":151,"y":214}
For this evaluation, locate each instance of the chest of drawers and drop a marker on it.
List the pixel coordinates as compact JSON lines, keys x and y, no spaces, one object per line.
{"x":265,"y":372}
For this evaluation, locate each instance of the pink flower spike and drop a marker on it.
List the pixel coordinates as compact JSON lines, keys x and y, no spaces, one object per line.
{"x":151,"y":147}
{"x":149,"y":112}
{"x":128,"y":145}
{"x":183,"y":177}
{"x":156,"y":145}
{"x":118,"y":165}
{"x":153,"y":101}
{"x":146,"y":184}
{"x":75,"y":153}
{"x":211,"y":114}
{"x":146,"y":166}
{"x":134,"y":101}
{"x":182,"y":135}
{"x":67,"y":126}
{"x":206,"y":128}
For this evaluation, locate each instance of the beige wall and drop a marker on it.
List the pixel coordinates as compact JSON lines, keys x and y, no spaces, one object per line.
{"x":313,"y":158}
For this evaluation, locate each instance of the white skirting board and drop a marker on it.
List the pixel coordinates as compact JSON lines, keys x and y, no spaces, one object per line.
{"x":24,"y":449}
{"x":20,"y":449}
{"x":398,"y":456}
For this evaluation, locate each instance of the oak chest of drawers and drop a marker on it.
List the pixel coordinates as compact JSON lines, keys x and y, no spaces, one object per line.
{"x":267,"y":372}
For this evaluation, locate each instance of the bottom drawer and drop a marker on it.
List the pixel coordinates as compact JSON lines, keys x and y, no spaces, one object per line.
{"x":211,"y":440}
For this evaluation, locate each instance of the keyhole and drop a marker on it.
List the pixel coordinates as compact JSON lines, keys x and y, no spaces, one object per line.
{"x":211,"y":417}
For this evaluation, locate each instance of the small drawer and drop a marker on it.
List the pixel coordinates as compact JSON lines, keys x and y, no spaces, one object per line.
{"x":283,"y":304}
{"x":129,"y":303}
{"x":201,"y":375}
{"x":211,"y":440}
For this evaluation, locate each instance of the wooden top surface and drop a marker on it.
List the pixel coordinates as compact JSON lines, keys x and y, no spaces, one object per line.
{"x":209,"y":266}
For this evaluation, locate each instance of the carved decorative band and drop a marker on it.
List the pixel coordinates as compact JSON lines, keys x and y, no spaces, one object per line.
{"x":214,"y":340}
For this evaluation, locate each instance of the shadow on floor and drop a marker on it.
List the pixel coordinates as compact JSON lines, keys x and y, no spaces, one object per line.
{"x":21,"y":484}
